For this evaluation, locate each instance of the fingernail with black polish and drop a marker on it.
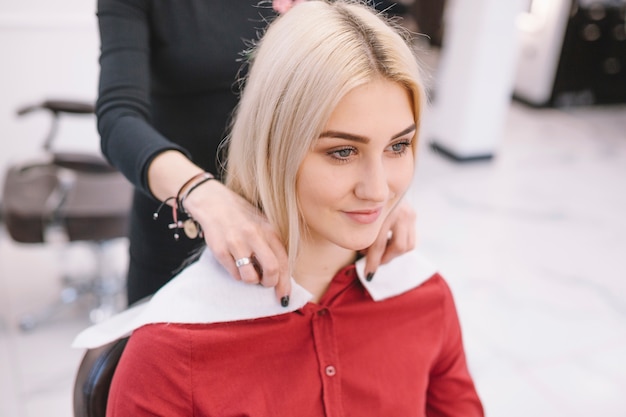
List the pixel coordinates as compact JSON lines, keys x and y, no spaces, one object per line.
{"x":284,"y":301}
{"x":369,"y":276}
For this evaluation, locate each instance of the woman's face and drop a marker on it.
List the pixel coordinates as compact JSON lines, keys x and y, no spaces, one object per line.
{"x":359,"y":167}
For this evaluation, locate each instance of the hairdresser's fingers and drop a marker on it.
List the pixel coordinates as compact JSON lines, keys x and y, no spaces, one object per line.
{"x":267,"y":264}
{"x":270,"y":263}
{"x":375,"y":253}
{"x":403,"y":233}
{"x":248,"y":252}
{"x":250,"y":271}
{"x":242,"y":258}
{"x":230,"y":248}
{"x":234,"y":229}
{"x":402,"y":241}
{"x":224,"y":257}
{"x":266,"y":260}
{"x":283,"y":279}
{"x":229,"y":223}
{"x":397,"y":236}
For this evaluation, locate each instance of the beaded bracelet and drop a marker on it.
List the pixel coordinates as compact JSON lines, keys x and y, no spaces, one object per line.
{"x":176,"y":224}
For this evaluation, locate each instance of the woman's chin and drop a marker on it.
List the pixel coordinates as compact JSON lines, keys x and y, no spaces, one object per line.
{"x":359,"y":245}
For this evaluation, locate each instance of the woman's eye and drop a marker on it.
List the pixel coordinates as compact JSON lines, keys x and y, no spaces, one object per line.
{"x":400,"y":147}
{"x":342,"y":153}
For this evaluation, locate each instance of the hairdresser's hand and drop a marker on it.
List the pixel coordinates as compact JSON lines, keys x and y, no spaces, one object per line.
{"x":400,"y":224}
{"x":282,"y":6}
{"x":234,"y":229}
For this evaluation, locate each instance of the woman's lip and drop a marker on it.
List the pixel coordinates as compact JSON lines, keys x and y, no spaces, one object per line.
{"x":364,"y":216}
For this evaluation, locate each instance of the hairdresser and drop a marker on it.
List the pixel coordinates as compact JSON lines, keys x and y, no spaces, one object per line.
{"x":168,"y":86}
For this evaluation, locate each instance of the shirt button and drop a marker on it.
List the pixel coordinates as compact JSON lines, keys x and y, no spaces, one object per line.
{"x":330,"y":370}
{"x":322,"y":312}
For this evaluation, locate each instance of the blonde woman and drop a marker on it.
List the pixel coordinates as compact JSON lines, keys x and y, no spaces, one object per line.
{"x":166,"y":93}
{"x":326,"y":154}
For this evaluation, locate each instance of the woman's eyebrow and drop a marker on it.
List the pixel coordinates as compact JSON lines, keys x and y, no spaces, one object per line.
{"x":344,"y":135}
{"x":358,"y":138}
{"x":405,"y":131}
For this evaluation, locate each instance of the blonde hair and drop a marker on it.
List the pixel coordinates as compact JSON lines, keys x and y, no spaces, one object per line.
{"x":307,"y":60}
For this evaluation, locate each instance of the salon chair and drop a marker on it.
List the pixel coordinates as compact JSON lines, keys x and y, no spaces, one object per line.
{"x":91,"y":388}
{"x":60,"y":198}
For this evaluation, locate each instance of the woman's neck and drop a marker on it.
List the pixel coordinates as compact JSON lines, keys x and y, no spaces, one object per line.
{"x":318,"y":264}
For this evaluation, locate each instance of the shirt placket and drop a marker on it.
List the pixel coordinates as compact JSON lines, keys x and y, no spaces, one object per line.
{"x":329,"y":366}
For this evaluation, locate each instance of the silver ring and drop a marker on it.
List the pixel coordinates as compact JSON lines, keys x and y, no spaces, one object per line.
{"x":242,"y":261}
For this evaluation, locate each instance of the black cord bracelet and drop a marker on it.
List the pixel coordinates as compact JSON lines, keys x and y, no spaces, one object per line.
{"x":182,"y":218}
{"x":181,"y":202}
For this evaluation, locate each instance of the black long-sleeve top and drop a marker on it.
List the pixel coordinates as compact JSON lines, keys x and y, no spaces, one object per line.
{"x":168,"y":77}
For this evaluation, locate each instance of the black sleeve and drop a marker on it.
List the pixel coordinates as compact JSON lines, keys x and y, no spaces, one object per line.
{"x":128,"y":139}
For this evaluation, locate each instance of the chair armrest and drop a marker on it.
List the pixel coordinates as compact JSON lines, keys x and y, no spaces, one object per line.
{"x":59,"y":106}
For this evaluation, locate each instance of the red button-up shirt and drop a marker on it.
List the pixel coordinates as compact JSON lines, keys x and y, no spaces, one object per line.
{"x":345,"y":356}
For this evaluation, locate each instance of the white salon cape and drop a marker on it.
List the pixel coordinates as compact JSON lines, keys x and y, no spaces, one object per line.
{"x":205,"y":292}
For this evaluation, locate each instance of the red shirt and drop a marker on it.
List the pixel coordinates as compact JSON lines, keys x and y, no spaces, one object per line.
{"x":346,"y":356}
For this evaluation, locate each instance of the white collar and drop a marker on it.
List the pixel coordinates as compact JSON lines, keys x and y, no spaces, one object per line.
{"x":205,"y":293}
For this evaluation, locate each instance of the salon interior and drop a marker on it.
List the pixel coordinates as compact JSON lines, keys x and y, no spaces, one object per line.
{"x":520,"y":194}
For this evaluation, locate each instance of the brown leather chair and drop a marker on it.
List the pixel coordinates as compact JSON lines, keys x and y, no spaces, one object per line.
{"x":91,"y":388}
{"x":64,"y":197}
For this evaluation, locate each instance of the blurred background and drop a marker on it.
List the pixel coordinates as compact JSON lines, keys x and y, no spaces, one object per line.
{"x":520,"y":193}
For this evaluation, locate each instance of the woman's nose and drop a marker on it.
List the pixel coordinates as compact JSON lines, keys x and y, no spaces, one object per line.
{"x":372,"y":183}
